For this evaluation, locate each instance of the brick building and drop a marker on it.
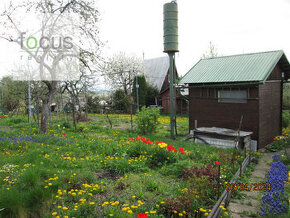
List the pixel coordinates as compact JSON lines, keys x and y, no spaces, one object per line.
{"x":223,"y":89}
{"x":156,"y":73}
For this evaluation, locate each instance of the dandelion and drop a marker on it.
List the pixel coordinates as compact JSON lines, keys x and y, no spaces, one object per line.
{"x":54,"y":213}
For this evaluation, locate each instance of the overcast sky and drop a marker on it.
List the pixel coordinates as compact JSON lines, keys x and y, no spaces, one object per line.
{"x":233,"y":26}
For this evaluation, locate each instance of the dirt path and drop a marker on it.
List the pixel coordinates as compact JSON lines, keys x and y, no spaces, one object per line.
{"x":249,"y":206}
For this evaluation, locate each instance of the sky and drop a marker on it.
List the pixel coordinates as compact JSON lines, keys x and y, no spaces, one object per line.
{"x":233,"y":26}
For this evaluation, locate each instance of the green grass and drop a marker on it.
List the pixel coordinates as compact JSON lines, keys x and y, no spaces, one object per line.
{"x":97,"y":171}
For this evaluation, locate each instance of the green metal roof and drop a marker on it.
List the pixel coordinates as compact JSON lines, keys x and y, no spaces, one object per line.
{"x":235,"y":68}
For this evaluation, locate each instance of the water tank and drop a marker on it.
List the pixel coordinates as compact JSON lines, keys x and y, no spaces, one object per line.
{"x":170,"y":27}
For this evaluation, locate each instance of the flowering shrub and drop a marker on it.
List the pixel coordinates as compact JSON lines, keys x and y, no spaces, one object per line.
{"x":3,"y":116}
{"x":273,"y":201}
{"x":280,"y":142}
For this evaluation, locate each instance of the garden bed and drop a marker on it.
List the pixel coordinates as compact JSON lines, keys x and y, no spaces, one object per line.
{"x":100,"y":172}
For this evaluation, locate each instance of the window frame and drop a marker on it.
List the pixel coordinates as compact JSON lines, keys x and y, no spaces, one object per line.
{"x":233,"y":100}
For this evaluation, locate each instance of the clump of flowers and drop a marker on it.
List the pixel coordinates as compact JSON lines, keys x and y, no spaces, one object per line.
{"x":160,"y":144}
{"x":3,"y":116}
{"x":274,"y":201}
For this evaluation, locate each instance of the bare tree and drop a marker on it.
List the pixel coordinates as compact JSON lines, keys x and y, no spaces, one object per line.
{"x":212,"y":51}
{"x":48,"y":59}
{"x":120,"y":70}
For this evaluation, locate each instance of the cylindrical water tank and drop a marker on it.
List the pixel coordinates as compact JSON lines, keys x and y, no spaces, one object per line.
{"x":170,"y":27}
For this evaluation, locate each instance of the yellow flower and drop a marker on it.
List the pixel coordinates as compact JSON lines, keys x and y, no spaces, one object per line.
{"x":54,"y":213}
{"x":175,"y":211}
{"x":111,"y":214}
{"x":50,"y":184}
{"x":65,"y":208}
{"x":133,"y":196}
{"x":206,"y":214}
{"x":152,"y":211}
{"x":92,"y":203}
{"x":59,"y":207}
{"x":130,"y":211}
{"x":180,"y":214}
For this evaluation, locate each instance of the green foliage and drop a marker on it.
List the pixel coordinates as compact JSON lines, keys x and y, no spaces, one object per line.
{"x":161,"y":157}
{"x":66,"y":124}
{"x":93,"y":104}
{"x":16,"y":119}
{"x":286,"y":118}
{"x":142,"y":90}
{"x":286,"y":96}
{"x":121,"y":166}
{"x":280,"y":142}
{"x":13,"y":95}
{"x":147,"y":119}
{"x":39,"y":171}
{"x":176,"y":169}
{"x":121,"y":101}
{"x":152,"y":93}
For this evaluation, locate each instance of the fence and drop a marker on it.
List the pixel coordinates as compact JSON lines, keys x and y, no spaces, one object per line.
{"x":226,"y":195}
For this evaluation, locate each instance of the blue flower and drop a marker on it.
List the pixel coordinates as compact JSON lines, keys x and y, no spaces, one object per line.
{"x":273,"y":201}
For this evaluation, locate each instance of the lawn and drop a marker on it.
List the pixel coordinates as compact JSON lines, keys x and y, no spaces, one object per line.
{"x":96,"y":171}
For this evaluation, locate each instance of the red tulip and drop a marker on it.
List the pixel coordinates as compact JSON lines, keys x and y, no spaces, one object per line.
{"x":217,"y":163}
{"x":63,"y":134}
{"x":181,"y":149}
{"x":182,"y":153}
{"x":142,"y":215}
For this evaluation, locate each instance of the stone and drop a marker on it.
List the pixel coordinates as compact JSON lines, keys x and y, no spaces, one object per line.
{"x":240,"y":208}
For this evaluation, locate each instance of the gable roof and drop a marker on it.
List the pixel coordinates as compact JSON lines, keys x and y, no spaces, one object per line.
{"x":236,"y":68}
{"x":155,"y":71}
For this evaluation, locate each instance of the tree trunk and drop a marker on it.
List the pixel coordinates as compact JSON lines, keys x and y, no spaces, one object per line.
{"x":44,"y":116}
{"x":74,"y":112}
{"x":46,"y":101}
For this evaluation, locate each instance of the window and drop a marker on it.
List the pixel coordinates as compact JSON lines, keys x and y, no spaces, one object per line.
{"x":232,"y":96}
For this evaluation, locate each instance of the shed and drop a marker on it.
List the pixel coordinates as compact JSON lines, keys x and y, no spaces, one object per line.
{"x":222,"y":89}
{"x":156,"y":71}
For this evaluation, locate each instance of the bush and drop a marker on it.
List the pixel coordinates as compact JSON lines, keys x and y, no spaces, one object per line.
{"x":280,"y":142}
{"x":17,"y":119}
{"x":161,"y":157}
{"x":175,"y":169}
{"x":66,"y":125}
{"x":286,"y":118}
{"x":147,"y":120}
